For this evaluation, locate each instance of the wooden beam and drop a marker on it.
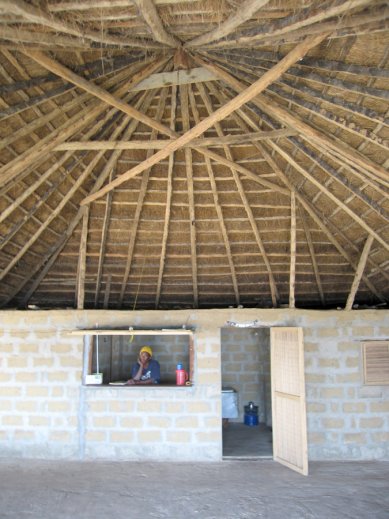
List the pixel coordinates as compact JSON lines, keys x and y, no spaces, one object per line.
{"x":77,"y":184}
{"x":177,"y":77}
{"x":329,"y":194}
{"x":85,"y":5}
{"x":31,"y":189}
{"x":285,"y":118}
{"x":318,"y":219}
{"x":48,"y":260}
{"x":110,"y":331}
{"x":81,"y":270}
{"x":150,"y":14}
{"x":144,"y":104}
{"x":359,"y":272}
{"x":211,"y":175}
{"x":95,"y":90}
{"x":189,"y":175}
{"x":254,"y":58}
{"x":103,"y":241}
{"x":159,"y":144}
{"x":273,"y":287}
{"x":40,"y":150}
{"x":337,"y":175}
{"x":312,"y":254}
{"x":292,"y":271}
{"x":244,"y":97}
{"x":32,"y":14}
{"x":107,"y":291}
{"x":43,"y":41}
{"x":169,"y":191}
{"x":243,"y":13}
{"x":303,"y":20}
{"x":139,"y":205}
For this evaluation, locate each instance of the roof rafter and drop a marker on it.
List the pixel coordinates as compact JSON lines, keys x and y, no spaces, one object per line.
{"x":285,"y":117}
{"x":150,"y":14}
{"x":103,"y":242}
{"x":293,"y":248}
{"x":27,"y":160}
{"x":311,"y":248}
{"x":359,"y":272}
{"x":245,"y":96}
{"x":189,"y":175}
{"x":139,"y":204}
{"x":57,"y":68}
{"x":31,"y":14}
{"x":319,"y":220}
{"x":169,"y":191}
{"x":211,"y":175}
{"x":254,"y":227}
{"x":81,"y":269}
{"x":311,"y":16}
{"x":159,"y":144}
{"x":242,"y":14}
{"x":48,"y":260}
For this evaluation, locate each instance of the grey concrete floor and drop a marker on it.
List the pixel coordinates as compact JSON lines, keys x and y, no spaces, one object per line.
{"x":225,"y":490}
{"x":241,"y":441}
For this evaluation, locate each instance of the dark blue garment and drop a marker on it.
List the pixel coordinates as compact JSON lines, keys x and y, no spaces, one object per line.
{"x":152,"y":371}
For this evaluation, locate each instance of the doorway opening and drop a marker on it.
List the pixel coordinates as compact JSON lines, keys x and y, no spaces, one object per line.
{"x":245,"y":367}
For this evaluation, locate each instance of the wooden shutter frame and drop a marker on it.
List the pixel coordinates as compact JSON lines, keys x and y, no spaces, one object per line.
{"x":375,"y":357}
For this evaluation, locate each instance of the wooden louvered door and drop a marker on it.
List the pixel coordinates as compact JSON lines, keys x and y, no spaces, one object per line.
{"x":288,"y":398}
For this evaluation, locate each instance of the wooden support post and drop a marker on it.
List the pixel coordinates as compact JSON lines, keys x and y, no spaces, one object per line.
{"x":292,"y":274}
{"x":359,"y":272}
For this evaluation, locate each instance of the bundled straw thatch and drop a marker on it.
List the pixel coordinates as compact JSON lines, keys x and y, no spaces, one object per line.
{"x":194,"y":153}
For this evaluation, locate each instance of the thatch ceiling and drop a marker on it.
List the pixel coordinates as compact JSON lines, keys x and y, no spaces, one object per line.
{"x":194,"y":154}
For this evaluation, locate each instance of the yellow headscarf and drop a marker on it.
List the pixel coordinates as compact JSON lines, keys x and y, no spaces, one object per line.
{"x":147,"y":349}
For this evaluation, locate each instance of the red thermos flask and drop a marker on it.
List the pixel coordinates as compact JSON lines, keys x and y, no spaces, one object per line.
{"x":181,"y":375}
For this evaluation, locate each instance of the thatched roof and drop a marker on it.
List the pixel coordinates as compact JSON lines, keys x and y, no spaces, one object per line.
{"x":194,"y":154}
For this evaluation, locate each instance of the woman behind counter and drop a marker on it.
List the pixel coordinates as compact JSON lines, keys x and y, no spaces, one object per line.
{"x":146,"y":370}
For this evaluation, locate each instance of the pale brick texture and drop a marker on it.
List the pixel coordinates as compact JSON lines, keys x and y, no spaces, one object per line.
{"x":45,"y":412}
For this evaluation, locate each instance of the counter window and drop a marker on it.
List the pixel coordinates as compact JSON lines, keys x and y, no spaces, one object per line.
{"x":112,"y":355}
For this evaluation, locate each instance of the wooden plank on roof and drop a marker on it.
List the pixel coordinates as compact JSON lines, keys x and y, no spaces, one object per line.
{"x":176,"y":77}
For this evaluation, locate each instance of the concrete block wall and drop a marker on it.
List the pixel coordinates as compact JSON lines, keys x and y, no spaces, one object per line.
{"x":45,"y":412}
{"x":346,"y":419}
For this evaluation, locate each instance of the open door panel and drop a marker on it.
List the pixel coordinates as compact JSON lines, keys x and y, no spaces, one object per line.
{"x":288,"y":398}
